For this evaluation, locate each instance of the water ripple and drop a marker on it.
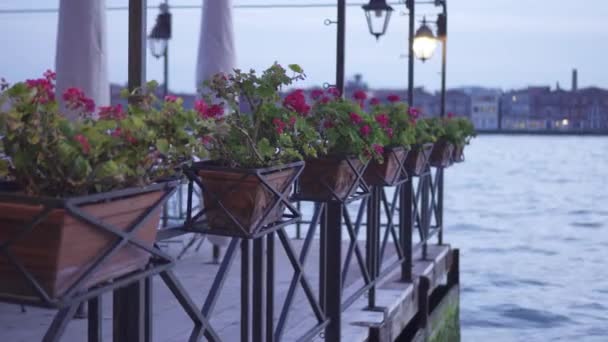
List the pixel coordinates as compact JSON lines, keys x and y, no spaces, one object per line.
{"x":532,"y":318}
{"x":590,"y":225}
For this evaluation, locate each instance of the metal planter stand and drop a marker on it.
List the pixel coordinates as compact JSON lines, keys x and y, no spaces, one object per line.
{"x":78,"y":293}
{"x":257,"y":247}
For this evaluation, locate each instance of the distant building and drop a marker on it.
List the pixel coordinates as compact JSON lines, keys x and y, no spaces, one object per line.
{"x":485,"y":105}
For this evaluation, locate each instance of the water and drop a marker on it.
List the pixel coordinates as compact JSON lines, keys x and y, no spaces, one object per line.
{"x":530,"y":216}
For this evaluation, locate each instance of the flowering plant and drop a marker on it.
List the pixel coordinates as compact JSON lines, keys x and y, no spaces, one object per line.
{"x":458,"y":130}
{"x":272,"y":133}
{"x":52,"y":156}
{"x":344,"y":128}
{"x":425,"y":130}
{"x":395,"y":122}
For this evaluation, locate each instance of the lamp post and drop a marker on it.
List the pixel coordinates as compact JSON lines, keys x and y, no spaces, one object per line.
{"x":378,"y":14}
{"x":159,"y":41}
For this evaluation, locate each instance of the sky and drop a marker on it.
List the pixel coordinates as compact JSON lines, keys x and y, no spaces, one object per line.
{"x":492,"y":43}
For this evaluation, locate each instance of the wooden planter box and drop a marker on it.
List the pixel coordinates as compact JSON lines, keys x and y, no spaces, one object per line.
{"x":458,"y":154}
{"x":389,"y":173}
{"x":240,"y":201}
{"x":417,"y":159}
{"x":61,"y":247}
{"x":329,"y":179}
{"x":442,"y":154}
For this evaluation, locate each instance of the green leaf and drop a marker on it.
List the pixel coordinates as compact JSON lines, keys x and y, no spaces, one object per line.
{"x":296,"y":68}
{"x":162,"y":145}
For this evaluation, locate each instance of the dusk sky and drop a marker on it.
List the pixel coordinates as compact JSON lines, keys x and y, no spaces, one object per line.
{"x":493,"y":43}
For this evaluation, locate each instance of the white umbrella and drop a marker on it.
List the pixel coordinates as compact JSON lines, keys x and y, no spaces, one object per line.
{"x":216,"y":52}
{"x":81,"y":59}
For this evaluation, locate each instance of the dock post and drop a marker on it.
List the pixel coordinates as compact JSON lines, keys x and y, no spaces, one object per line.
{"x":423,"y":301}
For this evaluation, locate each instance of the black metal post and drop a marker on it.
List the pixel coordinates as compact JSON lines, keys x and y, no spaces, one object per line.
{"x":439,"y":180}
{"x":340,"y":46}
{"x":259,"y":287}
{"x":333,"y":277}
{"x":166,"y":72}
{"x":425,"y":213}
{"x":372,"y":241}
{"x":406,"y":222}
{"x":95,"y":319}
{"x":410,"y":61}
{"x":129,"y":302}
{"x":245,"y":274}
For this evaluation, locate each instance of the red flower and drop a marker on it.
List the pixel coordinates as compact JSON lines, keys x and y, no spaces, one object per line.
{"x":201,"y":107}
{"x":328,"y":124}
{"x":374,"y":101}
{"x":334,"y":92}
{"x":292,"y":121}
{"x":360,"y":95}
{"x":296,"y":101}
{"x":365,"y":130}
{"x":355,"y":118}
{"x":382,"y":120}
{"x":325,"y":100}
{"x":393,"y":98}
{"x":279,"y":125}
{"x":112,"y":113}
{"x":171,"y":98}
{"x":316,"y":94}
{"x":131,"y":139}
{"x":215,"y":111}
{"x":414,"y":112}
{"x":44,"y":90}
{"x":379,"y":149}
{"x":84,"y":143}
{"x":450,"y":115}
{"x":76,"y":100}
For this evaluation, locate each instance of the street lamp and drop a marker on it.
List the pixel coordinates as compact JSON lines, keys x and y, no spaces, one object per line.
{"x":159,"y":40}
{"x":378,"y":14}
{"x":425,"y":42}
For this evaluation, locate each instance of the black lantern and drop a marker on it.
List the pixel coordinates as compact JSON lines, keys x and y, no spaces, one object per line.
{"x":161,"y":32}
{"x":378,"y":14}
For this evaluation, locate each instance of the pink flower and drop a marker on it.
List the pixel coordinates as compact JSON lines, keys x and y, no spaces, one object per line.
{"x":292,"y":121}
{"x":296,"y":101}
{"x":450,"y":115}
{"x":393,"y":98}
{"x":325,"y":100}
{"x":50,"y":75}
{"x":328,"y":124}
{"x":360,"y":95}
{"x":316,"y":94}
{"x":84,"y":143}
{"x":334,"y":92}
{"x":112,"y":113}
{"x":206,"y":139}
{"x":355,"y":118}
{"x":414,"y":112}
{"x":374,"y":101}
{"x":379,"y":149}
{"x":279,"y":125}
{"x":382,"y":120}
{"x":389,"y":132}
{"x":117,"y":133}
{"x":365,"y":130}
{"x":171,"y":98}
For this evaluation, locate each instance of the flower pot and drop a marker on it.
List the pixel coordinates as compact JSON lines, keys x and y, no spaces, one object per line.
{"x":240,"y":201}
{"x":442,"y":154}
{"x":329,"y":179}
{"x":62,"y":247}
{"x":458,"y":154}
{"x":417,"y":159}
{"x":389,"y":173}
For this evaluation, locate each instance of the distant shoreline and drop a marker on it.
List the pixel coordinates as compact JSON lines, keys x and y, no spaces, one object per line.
{"x":537,"y":132}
